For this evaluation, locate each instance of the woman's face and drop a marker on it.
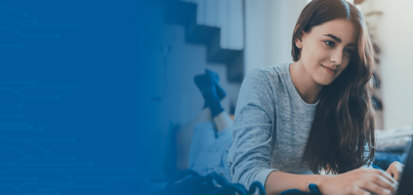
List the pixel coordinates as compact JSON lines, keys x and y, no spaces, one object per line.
{"x":327,"y":46}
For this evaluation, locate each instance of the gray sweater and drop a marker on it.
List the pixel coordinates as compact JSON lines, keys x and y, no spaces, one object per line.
{"x":271,"y":126}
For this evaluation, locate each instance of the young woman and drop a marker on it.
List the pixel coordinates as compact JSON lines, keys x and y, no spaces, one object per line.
{"x":295,"y":119}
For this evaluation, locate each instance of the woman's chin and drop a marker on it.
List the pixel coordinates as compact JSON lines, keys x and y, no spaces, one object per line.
{"x":324,"y":81}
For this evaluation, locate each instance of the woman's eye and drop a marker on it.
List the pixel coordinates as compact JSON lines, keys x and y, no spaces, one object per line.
{"x":329,"y":43}
{"x":349,"y":51}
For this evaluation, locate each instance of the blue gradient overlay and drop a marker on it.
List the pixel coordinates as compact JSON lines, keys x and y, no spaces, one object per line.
{"x":79,"y":110}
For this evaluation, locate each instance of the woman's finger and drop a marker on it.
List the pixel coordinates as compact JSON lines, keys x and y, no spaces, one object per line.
{"x":385,"y":175}
{"x":358,"y":191}
{"x":394,"y":173}
{"x":396,"y":170}
{"x":372,"y":187}
{"x":382,"y":182}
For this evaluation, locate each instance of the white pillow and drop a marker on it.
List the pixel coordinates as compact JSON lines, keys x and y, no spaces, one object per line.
{"x":393,"y":139}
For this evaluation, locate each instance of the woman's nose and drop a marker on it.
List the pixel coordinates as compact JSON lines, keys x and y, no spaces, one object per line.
{"x":336,"y":57}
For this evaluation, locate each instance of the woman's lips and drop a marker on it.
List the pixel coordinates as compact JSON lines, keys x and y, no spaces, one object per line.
{"x":328,"y":70}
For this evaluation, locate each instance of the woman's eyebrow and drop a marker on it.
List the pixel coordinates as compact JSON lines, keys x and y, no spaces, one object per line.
{"x":339,"y":40}
{"x":334,"y":37}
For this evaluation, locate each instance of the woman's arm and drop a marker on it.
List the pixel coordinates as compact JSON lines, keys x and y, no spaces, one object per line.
{"x":250,"y":153}
{"x":358,"y":181}
{"x":278,"y":182}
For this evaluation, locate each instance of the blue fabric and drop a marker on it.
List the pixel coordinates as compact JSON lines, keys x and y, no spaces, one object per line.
{"x":206,"y":83}
{"x":189,"y":182}
{"x":383,"y":160}
{"x":312,"y":187}
{"x":220,"y":91}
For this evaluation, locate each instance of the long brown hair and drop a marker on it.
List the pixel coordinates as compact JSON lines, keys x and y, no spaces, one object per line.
{"x":342,"y":133}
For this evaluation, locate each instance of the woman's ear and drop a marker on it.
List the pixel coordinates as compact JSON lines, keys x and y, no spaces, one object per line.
{"x":298,"y":42}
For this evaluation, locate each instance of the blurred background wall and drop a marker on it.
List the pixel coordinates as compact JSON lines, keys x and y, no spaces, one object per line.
{"x":268,"y":32}
{"x":393,"y":31}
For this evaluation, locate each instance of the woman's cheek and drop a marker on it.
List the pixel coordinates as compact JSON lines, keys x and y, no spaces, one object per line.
{"x":311,"y":56}
{"x":345,"y":62}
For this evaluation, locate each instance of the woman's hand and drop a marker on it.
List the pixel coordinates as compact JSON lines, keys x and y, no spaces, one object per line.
{"x":395,"y":169}
{"x":360,"y":181}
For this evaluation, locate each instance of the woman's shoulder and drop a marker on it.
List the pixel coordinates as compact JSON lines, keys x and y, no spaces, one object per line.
{"x":271,"y":74}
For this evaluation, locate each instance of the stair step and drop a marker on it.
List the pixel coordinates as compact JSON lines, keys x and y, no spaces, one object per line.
{"x":183,"y":13}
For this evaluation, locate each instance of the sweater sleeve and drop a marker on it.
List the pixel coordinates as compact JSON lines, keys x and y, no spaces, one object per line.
{"x":250,"y":153}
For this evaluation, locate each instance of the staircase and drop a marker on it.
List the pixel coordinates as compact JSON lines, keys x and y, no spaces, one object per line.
{"x":230,"y":52}
{"x":216,"y":28}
